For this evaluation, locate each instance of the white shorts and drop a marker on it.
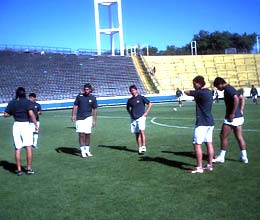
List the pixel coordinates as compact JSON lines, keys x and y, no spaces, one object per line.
{"x":202,"y":134}
{"x":22,"y":134}
{"x":33,"y":126}
{"x":138,"y":124}
{"x":236,"y":122}
{"x":84,"y":126}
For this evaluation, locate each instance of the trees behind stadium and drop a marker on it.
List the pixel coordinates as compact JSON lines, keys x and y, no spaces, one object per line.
{"x":211,"y":43}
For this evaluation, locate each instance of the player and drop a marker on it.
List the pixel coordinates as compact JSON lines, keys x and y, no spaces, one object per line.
{"x":254,"y":94}
{"x":22,"y":109}
{"x":138,"y":113}
{"x":204,"y":123}
{"x":37,"y":111}
{"x":84,"y":112}
{"x":179,"y":95}
{"x":234,"y":120}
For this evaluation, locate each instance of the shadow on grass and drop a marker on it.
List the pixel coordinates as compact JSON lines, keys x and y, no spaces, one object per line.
{"x":11,"y":167}
{"x":167,"y":162}
{"x":124,"y":148}
{"x":69,"y":150}
{"x":72,"y":127}
{"x":186,"y":154}
{"x":192,"y":155}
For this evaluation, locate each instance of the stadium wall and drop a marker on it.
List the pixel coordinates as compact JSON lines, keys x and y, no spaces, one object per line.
{"x":102,"y":101}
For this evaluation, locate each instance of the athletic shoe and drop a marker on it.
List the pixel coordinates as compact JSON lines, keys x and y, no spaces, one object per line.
{"x":30,"y":172}
{"x":197,"y":170}
{"x":140,"y":150}
{"x":143,"y":149}
{"x":19,"y":173}
{"x":88,"y":154}
{"x":208,"y":167}
{"x":83,"y":154}
{"x":218,"y":159}
{"x":243,"y":159}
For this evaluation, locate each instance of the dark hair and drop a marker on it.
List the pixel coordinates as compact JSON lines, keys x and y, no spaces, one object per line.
{"x":219,"y":81}
{"x":132,"y":87}
{"x":88,"y":85}
{"x":20,"y":93}
{"x":32,"y":95}
{"x":200,"y":80}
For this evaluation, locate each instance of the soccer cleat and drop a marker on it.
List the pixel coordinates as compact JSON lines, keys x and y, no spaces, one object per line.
{"x":140,"y":150}
{"x":83,"y":154}
{"x":218,"y":159}
{"x":30,"y":172}
{"x":19,"y":173}
{"x":88,"y":154}
{"x":143,"y":149}
{"x":197,"y":170}
{"x":244,"y":159}
{"x":208,"y":167}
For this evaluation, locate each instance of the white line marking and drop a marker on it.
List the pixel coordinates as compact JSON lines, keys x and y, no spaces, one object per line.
{"x":185,"y":127}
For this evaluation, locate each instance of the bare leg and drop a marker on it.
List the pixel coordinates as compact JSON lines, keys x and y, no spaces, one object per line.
{"x":29,"y":157}
{"x":199,"y":154}
{"x":143,"y":139}
{"x":210,"y":150}
{"x":138,"y":139}
{"x":18,"y":159}
{"x":87,"y":139}
{"x":239,"y":137}
{"x":225,"y":131}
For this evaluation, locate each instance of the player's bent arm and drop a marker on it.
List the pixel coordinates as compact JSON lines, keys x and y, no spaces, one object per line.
{"x":149,"y":106}
{"x":242,"y":103}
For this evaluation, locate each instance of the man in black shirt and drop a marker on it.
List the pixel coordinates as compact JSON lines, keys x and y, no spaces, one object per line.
{"x":254,"y":94}
{"x":204,"y":125}
{"x":85,"y":105}
{"x":138,"y":113}
{"x":37,"y":109}
{"x":22,"y":111}
{"x":233,"y":120}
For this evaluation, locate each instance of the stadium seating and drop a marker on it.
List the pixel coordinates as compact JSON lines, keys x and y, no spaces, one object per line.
{"x":54,"y":76}
{"x":240,"y":70}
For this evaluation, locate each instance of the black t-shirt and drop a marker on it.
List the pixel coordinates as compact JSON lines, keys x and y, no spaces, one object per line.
{"x":136,"y":106}
{"x":229,"y":93}
{"x":85,"y":103}
{"x":203,"y":99}
{"x":36,"y":108}
{"x":19,"y":108}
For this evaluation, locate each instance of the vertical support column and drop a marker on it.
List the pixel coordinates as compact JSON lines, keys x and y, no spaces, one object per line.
{"x":110,"y":30}
{"x":193,"y":46}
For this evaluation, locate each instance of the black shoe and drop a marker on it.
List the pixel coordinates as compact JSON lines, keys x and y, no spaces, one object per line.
{"x":30,"y":172}
{"x":19,"y":173}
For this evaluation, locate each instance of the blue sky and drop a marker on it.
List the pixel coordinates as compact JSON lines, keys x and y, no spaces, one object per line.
{"x":71,"y":23}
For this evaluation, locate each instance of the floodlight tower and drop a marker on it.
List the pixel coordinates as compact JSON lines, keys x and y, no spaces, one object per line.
{"x":111,"y":31}
{"x":257,"y":43}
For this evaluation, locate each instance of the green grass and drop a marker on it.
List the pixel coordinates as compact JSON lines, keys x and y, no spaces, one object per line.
{"x":117,"y":183}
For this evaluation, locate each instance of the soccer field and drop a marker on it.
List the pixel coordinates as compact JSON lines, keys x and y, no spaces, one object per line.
{"x":117,"y":183}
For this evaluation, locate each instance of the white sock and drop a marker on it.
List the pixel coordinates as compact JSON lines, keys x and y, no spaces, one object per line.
{"x":87,"y":148}
{"x":35,"y":139}
{"x":243,"y":153}
{"x":222,"y":153}
{"x":82,"y":148}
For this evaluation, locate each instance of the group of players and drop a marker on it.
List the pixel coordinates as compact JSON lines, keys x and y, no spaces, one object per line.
{"x":84,"y":114}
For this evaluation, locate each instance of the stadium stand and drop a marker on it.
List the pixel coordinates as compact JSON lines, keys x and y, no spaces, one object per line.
{"x":56,"y":76}
{"x":240,"y":70}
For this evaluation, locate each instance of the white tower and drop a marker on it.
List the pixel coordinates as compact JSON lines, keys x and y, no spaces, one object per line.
{"x":111,"y":30}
